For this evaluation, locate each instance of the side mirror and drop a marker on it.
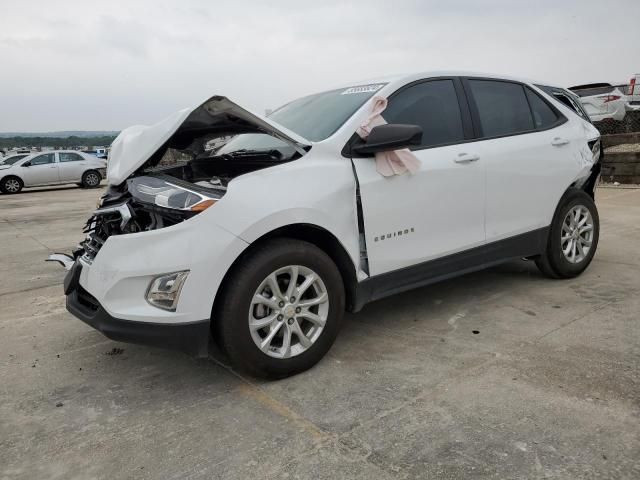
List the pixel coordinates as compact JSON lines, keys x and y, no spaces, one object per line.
{"x":26,"y":164}
{"x":393,"y":136}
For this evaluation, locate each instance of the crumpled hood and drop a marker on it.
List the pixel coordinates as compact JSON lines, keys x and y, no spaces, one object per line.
{"x":137,"y":144}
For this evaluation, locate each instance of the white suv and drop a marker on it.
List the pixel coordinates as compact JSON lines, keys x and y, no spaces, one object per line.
{"x":262,"y":243}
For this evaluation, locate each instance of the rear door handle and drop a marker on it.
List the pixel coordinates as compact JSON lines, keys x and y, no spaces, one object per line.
{"x":466,"y":158}
{"x":557,"y":142}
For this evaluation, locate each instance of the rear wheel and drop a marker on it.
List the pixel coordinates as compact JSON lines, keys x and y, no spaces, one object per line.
{"x":281,"y":309}
{"x":573,"y":237}
{"x":11,"y":185}
{"x":91,"y":179}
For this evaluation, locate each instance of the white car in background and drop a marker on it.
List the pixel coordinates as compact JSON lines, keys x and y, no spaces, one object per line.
{"x":264,"y":242}
{"x":604,"y":101}
{"x":52,"y":168}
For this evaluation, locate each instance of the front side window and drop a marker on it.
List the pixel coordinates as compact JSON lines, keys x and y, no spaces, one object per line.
{"x":43,"y":159}
{"x":433,"y":105}
{"x":543,"y":114}
{"x":69,"y":157}
{"x":502,"y":107}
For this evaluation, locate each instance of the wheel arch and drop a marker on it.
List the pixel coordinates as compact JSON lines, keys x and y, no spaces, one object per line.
{"x":11,"y":175}
{"x":318,"y":236}
{"x":589,"y":186}
{"x":91,"y":169}
{"x":588,"y":183}
{"x":576,"y":185}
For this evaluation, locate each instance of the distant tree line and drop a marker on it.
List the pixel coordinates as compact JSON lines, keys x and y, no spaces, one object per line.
{"x":61,"y":142}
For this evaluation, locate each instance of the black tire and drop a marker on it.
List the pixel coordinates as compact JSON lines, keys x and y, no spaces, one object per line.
{"x":553,"y":263}
{"x":8,"y":185}
{"x":542,"y":262}
{"x":231,"y":317}
{"x":89,"y":179}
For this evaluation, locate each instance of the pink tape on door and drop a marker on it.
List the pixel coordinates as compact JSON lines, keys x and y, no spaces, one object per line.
{"x":393,"y":162}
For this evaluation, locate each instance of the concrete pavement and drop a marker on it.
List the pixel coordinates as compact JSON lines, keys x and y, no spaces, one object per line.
{"x":498,"y":374}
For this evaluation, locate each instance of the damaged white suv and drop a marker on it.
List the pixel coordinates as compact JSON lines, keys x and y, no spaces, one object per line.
{"x":259,"y":232}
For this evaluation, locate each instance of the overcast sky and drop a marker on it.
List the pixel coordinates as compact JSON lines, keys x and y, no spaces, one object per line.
{"x":87,"y":65}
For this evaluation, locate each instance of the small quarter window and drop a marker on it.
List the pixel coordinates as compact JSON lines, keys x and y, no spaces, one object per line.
{"x":567,"y":98}
{"x":69,"y":157}
{"x":543,"y":114}
{"x":502,"y":107}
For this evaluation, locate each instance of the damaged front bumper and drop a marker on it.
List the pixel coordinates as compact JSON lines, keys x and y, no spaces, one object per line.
{"x":109,"y":280}
{"x":191,"y":338}
{"x":63,"y":259}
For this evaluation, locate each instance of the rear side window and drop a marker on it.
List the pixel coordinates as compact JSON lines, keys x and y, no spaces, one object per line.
{"x":433,"y":105}
{"x":503,"y":108}
{"x":543,"y":114}
{"x":69,"y":157}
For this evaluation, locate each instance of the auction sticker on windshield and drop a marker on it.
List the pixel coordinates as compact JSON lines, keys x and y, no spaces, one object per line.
{"x":363,"y":89}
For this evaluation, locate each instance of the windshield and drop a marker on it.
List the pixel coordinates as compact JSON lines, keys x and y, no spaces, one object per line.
{"x":318,"y":116}
{"x":315,"y":118}
{"x":11,"y":160}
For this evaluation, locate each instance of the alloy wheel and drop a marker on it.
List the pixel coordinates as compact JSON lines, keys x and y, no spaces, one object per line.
{"x":288,"y":311}
{"x":577,"y":234}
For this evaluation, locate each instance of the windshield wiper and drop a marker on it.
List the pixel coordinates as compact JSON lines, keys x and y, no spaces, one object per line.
{"x":243,"y":152}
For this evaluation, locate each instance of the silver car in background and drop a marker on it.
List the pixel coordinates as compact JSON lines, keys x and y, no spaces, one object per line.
{"x":52,"y":168}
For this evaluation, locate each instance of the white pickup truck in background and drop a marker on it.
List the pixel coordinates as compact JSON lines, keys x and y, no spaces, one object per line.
{"x":634,"y":91}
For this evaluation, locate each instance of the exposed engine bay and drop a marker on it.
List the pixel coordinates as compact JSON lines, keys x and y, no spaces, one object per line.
{"x":166,"y":173}
{"x":184,"y":181}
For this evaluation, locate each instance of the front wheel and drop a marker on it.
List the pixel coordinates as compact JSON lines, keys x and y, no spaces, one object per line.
{"x":11,"y":185}
{"x":281,"y":309}
{"x":573,"y":237}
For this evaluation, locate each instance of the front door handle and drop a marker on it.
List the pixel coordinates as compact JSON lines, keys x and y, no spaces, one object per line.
{"x":558,"y":141}
{"x":466,"y":158}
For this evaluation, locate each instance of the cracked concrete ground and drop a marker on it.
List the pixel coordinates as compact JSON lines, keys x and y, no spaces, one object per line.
{"x":549,"y":387}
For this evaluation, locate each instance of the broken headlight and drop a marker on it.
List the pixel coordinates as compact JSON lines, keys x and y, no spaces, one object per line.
{"x":168,"y":194}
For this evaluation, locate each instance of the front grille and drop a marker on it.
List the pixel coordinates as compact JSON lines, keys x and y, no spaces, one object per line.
{"x":92,"y":245}
{"x":98,"y":228}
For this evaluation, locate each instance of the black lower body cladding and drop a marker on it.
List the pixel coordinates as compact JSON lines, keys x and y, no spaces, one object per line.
{"x":191,"y":338}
